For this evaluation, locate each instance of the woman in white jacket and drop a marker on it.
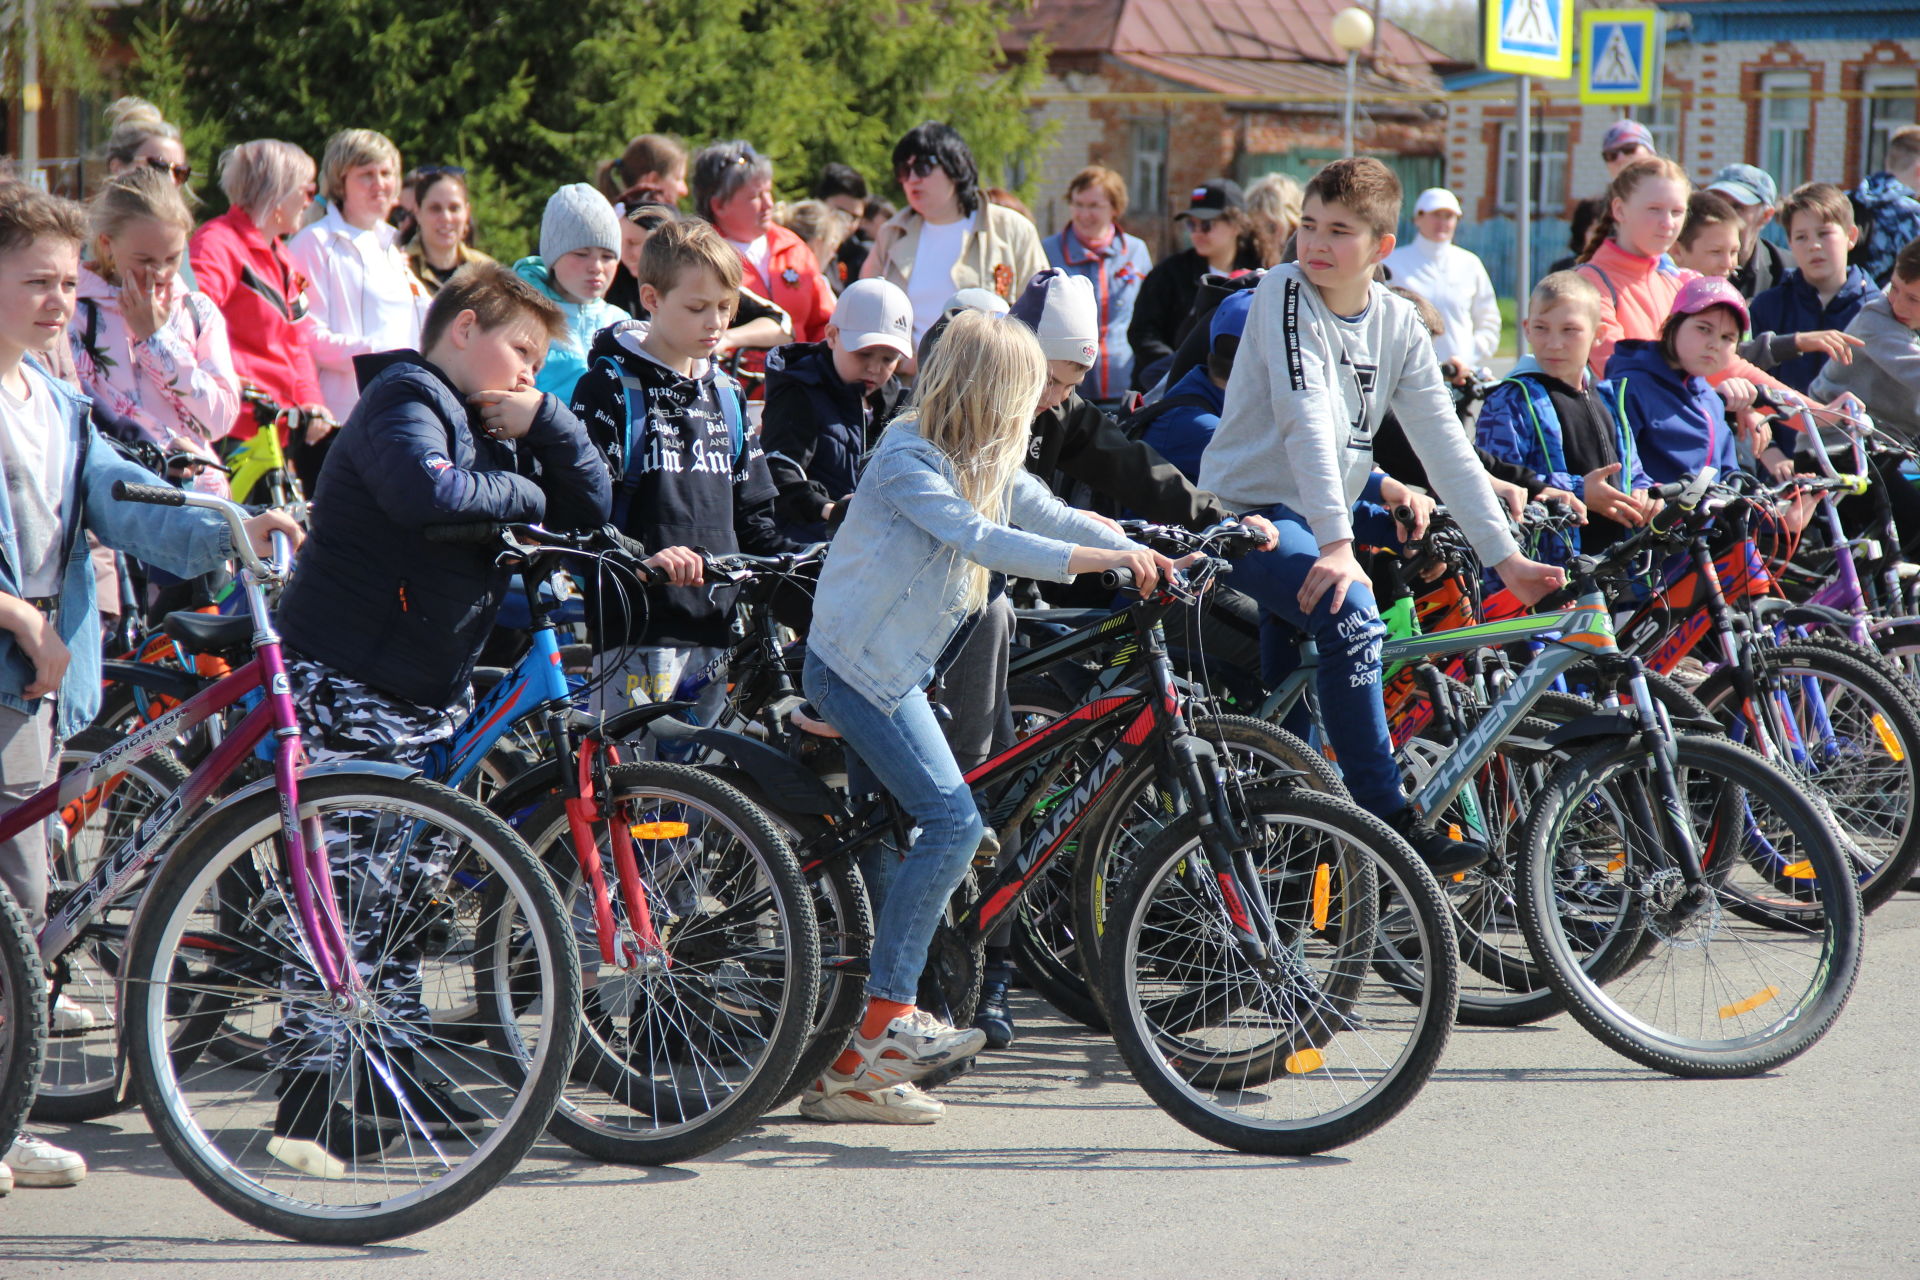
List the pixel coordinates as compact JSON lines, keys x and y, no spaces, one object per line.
{"x":362,"y":296}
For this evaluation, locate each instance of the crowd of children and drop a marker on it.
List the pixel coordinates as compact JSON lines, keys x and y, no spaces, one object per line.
{"x":526,"y":394}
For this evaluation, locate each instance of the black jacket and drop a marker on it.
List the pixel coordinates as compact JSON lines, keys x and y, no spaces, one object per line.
{"x":372,"y":597}
{"x":815,"y":430}
{"x":1080,"y":441}
{"x":1765,"y":269}
{"x":687,"y":485}
{"x":1162,"y":309}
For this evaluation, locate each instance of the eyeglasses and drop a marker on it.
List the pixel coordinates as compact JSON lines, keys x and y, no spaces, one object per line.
{"x":918,"y":167}
{"x":181,"y":173}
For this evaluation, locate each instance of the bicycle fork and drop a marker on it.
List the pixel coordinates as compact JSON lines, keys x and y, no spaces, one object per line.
{"x":635,"y":942}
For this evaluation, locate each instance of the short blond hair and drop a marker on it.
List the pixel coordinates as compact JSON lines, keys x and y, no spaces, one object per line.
{"x":679,"y":247}
{"x":1564,"y":288}
{"x":1110,"y":183}
{"x":348,"y":150}
{"x":260,"y":174}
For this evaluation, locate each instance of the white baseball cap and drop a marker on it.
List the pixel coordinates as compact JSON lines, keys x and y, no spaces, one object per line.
{"x":1436,"y":198}
{"x":874,"y":313}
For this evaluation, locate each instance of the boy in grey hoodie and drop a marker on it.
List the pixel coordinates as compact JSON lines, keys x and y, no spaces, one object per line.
{"x":1885,"y":372}
{"x":1326,"y":353}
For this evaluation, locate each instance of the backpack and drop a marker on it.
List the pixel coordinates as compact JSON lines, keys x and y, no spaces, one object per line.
{"x":730,"y":409}
{"x":1863,"y":218}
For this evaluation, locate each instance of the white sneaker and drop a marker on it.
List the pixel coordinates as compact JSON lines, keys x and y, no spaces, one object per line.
{"x":69,"y":1017}
{"x":41,"y":1164}
{"x":834,"y":1097}
{"x":6,"y":1179}
{"x":911,"y":1047}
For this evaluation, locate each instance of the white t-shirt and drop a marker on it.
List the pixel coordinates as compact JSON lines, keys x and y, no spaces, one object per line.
{"x":758,"y":254}
{"x":33,"y":452}
{"x":930,"y":283}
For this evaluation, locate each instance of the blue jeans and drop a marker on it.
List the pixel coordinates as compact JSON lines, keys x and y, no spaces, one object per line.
{"x":909,"y":755}
{"x":1354,"y":716}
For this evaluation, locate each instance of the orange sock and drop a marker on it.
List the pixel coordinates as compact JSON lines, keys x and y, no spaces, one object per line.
{"x":879,"y":1014}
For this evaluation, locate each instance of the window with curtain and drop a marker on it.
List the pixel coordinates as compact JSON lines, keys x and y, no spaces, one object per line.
{"x":1786,"y":123}
{"x":1549,"y":165}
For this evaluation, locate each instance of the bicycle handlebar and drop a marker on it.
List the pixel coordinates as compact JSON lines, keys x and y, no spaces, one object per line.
{"x":160,"y":495}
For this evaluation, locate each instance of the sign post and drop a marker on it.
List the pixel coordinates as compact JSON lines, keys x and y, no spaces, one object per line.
{"x":1527,"y":38}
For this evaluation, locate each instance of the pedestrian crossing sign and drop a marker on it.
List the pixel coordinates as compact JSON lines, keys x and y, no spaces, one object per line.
{"x":1530,"y":37}
{"x":1620,"y":56}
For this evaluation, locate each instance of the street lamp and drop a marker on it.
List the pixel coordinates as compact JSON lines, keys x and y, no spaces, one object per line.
{"x":1352,"y":31}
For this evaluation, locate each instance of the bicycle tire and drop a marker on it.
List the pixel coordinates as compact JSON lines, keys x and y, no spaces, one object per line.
{"x":84,"y":1074}
{"x":1107,"y":849}
{"x":1740,"y":965}
{"x":187,"y":1102}
{"x":23,"y":1018}
{"x":1340,"y":1099}
{"x":1880,"y":815}
{"x":662,"y":1072}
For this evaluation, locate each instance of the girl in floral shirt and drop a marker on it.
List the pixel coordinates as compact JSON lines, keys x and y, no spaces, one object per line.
{"x":152,"y":354}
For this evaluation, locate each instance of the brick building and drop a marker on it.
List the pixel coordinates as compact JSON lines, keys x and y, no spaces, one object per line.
{"x":1807,"y":89}
{"x":1170,"y":93}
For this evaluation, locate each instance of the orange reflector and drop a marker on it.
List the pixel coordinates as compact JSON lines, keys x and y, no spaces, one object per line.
{"x":1887,"y":740}
{"x":1751,"y":1003}
{"x":1322,"y":891}
{"x":1801,"y":870}
{"x":658,"y":830}
{"x":1298,"y":1064}
{"x":1459,"y":877}
{"x":1454,"y":832}
{"x":1619,"y":863}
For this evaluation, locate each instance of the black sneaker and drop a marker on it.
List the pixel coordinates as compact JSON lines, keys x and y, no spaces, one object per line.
{"x":441,"y":1109}
{"x":1444,"y":855}
{"x":993,"y":1016}
{"x":318,"y":1136}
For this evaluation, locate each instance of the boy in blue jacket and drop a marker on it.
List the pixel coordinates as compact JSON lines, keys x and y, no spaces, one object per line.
{"x":1182,"y":423}
{"x":1822,"y":294}
{"x":56,"y":483}
{"x":1551,"y":416}
{"x":383,"y":627}
{"x":1677,"y":422}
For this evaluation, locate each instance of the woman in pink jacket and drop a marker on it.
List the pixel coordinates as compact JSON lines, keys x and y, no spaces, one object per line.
{"x":151,"y":353}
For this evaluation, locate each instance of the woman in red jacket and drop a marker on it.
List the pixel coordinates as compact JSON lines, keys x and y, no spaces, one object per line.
{"x":240,"y":262}
{"x":733,"y":189}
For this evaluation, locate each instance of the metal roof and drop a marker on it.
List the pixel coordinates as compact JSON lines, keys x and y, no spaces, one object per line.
{"x":1253,"y":30}
{"x":1309,"y":82}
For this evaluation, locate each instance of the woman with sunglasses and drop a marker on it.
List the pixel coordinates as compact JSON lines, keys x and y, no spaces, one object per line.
{"x":950,"y":237}
{"x":442,"y":240}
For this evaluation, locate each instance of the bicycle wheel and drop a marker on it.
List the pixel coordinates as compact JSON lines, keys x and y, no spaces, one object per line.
{"x":682,"y":1051}
{"x":23,"y":1018}
{"x":1851,"y":738}
{"x":1704,"y":989}
{"x":84,"y":1070}
{"x":1302,"y":1051}
{"x":449,"y":1119}
{"x":1253,"y":753}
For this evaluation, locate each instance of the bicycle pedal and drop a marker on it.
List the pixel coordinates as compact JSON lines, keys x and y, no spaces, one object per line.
{"x":943,"y":1075}
{"x":989,"y":851}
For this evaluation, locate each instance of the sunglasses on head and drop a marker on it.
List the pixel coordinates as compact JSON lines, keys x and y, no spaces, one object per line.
{"x":440,"y":170}
{"x":918,"y":167}
{"x":1632,"y":148}
{"x":181,"y":173}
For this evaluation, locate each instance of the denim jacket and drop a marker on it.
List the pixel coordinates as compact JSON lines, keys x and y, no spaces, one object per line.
{"x":892,"y":591}
{"x":181,"y":541}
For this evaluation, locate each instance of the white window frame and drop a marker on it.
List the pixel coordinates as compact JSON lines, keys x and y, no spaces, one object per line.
{"x":1663,"y":122}
{"x":1147,"y":167}
{"x":1784,"y":138}
{"x":1879,"y":117}
{"x":1550,"y":170}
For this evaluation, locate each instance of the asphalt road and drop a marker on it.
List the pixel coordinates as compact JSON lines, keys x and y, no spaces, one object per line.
{"x":1532,"y":1152}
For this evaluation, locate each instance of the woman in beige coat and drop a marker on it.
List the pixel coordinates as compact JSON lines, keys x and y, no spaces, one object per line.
{"x":950,"y":237}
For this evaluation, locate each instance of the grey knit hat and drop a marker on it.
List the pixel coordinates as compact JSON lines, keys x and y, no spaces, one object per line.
{"x":577,"y":217}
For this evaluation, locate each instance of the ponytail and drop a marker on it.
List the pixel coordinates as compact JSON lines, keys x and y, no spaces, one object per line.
{"x":1621,"y":189}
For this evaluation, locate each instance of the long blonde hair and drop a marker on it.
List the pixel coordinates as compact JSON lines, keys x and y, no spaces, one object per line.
{"x":975,"y":399}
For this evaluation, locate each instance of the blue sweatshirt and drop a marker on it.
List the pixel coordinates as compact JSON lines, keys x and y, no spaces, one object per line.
{"x":1181,"y":432}
{"x":1678,"y":423}
{"x":1794,"y":306}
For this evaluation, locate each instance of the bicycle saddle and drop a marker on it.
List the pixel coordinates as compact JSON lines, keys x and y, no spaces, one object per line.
{"x":208,"y":632}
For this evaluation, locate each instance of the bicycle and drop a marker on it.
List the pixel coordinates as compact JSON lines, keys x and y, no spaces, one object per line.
{"x":240,"y":913}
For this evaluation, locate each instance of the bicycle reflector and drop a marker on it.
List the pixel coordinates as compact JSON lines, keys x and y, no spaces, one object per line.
{"x":658,"y":830}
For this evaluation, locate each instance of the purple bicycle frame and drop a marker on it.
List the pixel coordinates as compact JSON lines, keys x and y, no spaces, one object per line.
{"x":306,"y":855}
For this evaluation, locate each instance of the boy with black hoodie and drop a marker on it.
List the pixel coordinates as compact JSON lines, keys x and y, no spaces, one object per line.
{"x":686,"y":470}
{"x":383,"y":627}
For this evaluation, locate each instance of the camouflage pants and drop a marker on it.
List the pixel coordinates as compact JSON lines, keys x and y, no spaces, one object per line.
{"x":386,"y":876}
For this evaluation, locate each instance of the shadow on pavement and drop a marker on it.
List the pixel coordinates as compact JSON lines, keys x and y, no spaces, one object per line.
{"x":782,"y":1149}
{"x":194,"y":1250}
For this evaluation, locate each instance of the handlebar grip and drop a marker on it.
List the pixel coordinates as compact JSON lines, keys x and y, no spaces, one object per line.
{"x":470,"y":534}
{"x":160,"y":495}
{"x":1117,"y":579}
{"x":1404,"y":515}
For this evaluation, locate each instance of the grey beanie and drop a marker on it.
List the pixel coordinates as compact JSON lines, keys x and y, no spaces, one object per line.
{"x":577,"y":217}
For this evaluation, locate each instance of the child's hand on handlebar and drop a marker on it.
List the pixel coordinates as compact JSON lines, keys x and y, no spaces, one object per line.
{"x":1264,"y":528}
{"x":1604,"y":498}
{"x":1571,"y":501}
{"x":261,"y":528}
{"x":1738,"y":394}
{"x":319,"y":422}
{"x":1529,"y":580}
{"x":683,"y":566}
{"x":1147,"y":567}
{"x":1398,"y":496}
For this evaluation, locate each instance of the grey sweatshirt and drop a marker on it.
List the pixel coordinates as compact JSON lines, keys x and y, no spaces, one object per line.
{"x":1308,"y":391}
{"x":1885,"y":373}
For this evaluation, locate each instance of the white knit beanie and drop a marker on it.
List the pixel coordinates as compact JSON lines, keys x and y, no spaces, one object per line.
{"x":577,"y":217}
{"x":1061,"y":310}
